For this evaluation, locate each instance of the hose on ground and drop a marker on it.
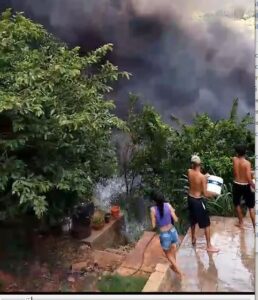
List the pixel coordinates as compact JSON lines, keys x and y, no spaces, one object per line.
{"x":143,"y":256}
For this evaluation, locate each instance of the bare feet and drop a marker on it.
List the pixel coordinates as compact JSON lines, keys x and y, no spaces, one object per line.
{"x":180,"y":276}
{"x":172,"y":268}
{"x":194,"y":242}
{"x":240,"y":225}
{"x":212,"y":249}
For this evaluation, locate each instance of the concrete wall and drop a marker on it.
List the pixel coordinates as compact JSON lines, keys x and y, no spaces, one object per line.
{"x":160,"y":280}
{"x":110,"y":236}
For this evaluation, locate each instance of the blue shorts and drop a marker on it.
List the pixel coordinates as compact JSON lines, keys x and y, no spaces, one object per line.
{"x":168,"y":238}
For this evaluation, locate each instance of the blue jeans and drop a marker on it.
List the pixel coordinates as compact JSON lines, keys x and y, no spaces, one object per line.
{"x":168,"y":238}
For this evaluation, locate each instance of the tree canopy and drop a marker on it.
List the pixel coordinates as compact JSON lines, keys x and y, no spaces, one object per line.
{"x":160,"y":153}
{"x":55,"y":120}
{"x":56,"y":125}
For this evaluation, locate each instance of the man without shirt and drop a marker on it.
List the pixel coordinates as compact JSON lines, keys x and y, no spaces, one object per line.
{"x":196,"y":205}
{"x":242,"y":184}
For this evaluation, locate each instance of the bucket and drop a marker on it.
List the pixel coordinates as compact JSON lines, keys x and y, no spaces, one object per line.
{"x":215,"y":184}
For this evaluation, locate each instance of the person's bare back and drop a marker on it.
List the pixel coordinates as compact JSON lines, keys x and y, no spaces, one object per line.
{"x":197,"y":209}
{"x":242,"y":170}
{"x":243,"y":186}
{"x":196,"y":183}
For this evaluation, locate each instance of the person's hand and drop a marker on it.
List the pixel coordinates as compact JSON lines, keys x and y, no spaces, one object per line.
{"x":211,"y":195}
{"x":207,"y":175}
{"x":154,"y":229}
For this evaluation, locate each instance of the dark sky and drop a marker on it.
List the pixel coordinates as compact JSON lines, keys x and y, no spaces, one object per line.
{"x":180,"y":64}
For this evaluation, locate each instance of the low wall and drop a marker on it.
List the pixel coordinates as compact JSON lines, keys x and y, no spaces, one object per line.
{"x":160,"y":280}
{"x":108,"y":237}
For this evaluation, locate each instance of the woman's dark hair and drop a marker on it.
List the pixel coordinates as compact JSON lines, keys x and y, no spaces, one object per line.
{"x":159,"y":199}
{"x":240,"y":150}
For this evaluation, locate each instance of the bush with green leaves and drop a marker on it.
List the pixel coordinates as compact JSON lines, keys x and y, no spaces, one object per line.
{"x":221,"y":205}
{"x":214,"y":141}
{"x":160,"y":154}
{"x":146,"y":148}
{"x":55,"y":120}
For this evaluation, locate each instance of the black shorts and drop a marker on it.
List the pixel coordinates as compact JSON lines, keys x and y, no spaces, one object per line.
{"x":239,"y":191}
{"x":198,"y":212}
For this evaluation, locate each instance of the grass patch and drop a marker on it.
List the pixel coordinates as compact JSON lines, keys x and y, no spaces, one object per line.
{"x":118,"y":284}
{"x":2,"y":285}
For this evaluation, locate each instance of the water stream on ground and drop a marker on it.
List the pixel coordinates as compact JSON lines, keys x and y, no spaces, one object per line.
{"x":134,"y":208}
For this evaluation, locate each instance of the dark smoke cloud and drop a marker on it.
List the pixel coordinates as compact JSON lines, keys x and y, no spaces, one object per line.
{"x":179,"y":65}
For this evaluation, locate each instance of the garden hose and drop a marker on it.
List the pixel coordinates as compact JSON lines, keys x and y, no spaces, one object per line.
{"x":145,"y":248}
{"x":143,"y":256}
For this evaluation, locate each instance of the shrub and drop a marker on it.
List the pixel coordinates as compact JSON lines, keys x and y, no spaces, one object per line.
{"x":120,"y":284}
{"x":56,"y":122}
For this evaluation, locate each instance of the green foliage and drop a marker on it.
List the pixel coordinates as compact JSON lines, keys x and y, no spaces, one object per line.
{"x":98,"y":218}
{"x":120,"y":284}
{"x":219,"y":206}
{"x":149,"y":139}
{"x":161,"y":153}
{"x":213,"y":141}
{"x":60,"y":122}
{"x":223,"y":204}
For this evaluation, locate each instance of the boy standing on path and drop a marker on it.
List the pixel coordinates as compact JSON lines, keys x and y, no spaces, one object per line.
{"x":196,"y":205}
{"x":242,"y":184}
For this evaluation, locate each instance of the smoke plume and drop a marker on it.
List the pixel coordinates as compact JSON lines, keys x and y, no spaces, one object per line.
{"x":185,"y":56}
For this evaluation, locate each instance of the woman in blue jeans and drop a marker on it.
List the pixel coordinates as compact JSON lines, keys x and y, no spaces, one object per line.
{"x":162,"y":217}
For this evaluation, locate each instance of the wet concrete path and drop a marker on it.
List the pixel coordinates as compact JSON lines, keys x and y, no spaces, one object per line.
{"x":230,"y":270}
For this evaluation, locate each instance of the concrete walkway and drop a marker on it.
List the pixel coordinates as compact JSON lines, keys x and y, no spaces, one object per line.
{"x":230,"y":270}
{"x":142,"y":258}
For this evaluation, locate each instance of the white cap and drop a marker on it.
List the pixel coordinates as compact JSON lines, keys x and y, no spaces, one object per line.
{"x":195,"y":159}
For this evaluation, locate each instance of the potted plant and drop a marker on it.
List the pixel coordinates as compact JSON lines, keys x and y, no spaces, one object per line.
{"x":107,"y":217}
{"x":98,"y":220}
{"x":115,"y":211}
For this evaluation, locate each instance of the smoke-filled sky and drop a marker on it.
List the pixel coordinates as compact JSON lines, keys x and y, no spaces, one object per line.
{"x":186,"y":56}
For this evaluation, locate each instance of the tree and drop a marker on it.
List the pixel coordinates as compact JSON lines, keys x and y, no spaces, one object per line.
{"x":55,"y":121}
{"x":145,"y":150}
{"x":214,"y":141}
{"x":160,"y":154}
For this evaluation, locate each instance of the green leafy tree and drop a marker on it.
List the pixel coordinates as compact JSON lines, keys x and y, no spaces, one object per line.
{"x":160,"y":154}
{"x":146,"y":148}
{"x":55,"y":122}
{"x":214,"y":141}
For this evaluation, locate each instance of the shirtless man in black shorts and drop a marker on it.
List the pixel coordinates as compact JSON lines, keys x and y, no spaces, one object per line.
{"x":196,"y":205}
{"x":242,"y":185}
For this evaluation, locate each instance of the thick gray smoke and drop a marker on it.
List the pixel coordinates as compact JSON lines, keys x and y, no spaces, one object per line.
{"x":181,"y":64}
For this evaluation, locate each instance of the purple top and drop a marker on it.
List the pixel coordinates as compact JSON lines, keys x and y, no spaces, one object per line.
{"x":166,"y":219}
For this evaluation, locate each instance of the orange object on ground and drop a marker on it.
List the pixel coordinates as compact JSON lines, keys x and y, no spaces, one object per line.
{"x":115,"y":211}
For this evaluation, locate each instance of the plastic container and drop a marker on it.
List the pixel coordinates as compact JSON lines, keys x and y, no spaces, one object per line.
{"x":215,"y":184}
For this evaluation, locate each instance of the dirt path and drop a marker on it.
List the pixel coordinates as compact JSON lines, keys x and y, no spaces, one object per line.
{"x":44,"y":265}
